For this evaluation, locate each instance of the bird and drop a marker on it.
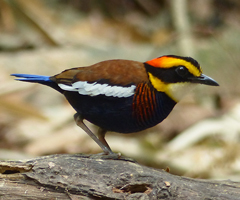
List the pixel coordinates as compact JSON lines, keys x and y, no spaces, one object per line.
{"x":124,"y":96}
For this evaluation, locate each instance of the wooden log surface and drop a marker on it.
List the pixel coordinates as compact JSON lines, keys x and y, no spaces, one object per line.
{"x":80,"y":176}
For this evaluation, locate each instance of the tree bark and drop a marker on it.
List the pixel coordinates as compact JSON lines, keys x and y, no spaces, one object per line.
{"x":81,"y":176}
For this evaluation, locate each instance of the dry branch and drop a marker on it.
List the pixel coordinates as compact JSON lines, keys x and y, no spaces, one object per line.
{"x":102,"y":177}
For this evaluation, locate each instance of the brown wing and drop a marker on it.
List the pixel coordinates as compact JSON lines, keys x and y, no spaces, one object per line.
{"x":116,"y":72}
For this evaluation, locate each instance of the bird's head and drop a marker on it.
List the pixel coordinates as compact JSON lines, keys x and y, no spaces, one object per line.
{"x":176,"y":75}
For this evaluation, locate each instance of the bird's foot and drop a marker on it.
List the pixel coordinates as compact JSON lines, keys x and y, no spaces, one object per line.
{"x":112,"y":156}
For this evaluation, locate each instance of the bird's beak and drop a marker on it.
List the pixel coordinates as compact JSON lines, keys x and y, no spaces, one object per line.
{"x":203,"y":79}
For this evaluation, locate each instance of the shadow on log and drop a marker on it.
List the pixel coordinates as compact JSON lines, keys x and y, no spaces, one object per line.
{"x":81,"y":176}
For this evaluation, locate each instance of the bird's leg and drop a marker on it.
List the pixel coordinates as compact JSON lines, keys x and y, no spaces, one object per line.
{"x":105,"y":147}
{"x":101,"y":136}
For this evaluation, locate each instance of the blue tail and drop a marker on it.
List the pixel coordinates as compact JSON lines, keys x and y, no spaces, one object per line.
{"x":45,"y":80}
{"x":32,"y":78}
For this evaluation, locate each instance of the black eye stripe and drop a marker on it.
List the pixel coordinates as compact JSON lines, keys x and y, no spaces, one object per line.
{"x":169,"y":75}
{"x":182,"y":71}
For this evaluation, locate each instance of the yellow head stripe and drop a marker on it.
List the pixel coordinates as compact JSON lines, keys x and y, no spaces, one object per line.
{"x":160,"y":86}
{"x":157,"y":83}
{"x":168,"y":62}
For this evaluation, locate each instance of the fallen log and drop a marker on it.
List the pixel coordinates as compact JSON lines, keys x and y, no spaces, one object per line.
{"x":82,"y":176}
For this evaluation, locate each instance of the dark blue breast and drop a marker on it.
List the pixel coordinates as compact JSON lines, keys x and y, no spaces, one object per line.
{"x":116,"y":114}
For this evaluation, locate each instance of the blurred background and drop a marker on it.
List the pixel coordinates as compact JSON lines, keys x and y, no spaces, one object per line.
{"x":200,"y":138}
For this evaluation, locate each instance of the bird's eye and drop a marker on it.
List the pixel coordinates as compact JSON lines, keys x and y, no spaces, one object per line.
{"x":181,"y":70}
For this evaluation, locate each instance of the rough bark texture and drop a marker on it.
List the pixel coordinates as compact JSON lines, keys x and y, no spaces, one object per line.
{"x":102,"y":177}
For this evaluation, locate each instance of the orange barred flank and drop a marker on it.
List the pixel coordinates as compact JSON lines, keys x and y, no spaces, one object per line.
{"x":144,"y":103}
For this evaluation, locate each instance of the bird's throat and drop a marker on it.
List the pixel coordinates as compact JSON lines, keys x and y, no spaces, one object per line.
{"x":176,"y":91}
